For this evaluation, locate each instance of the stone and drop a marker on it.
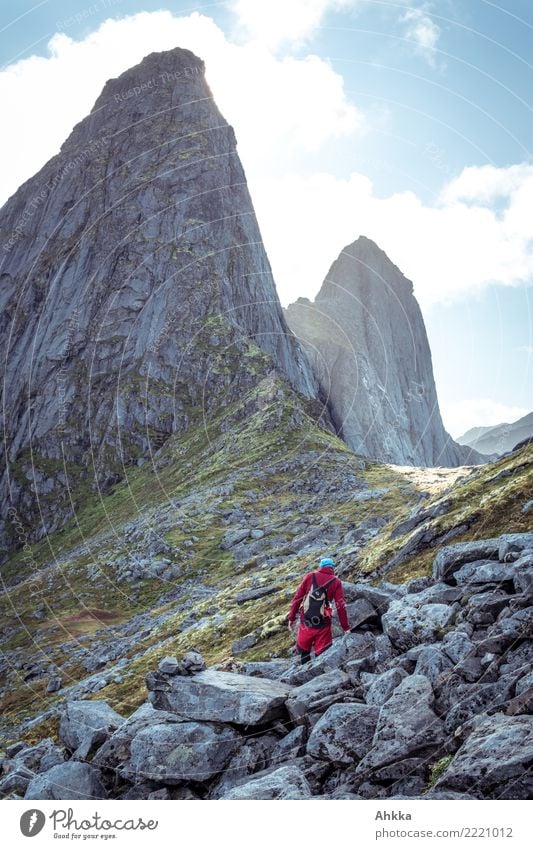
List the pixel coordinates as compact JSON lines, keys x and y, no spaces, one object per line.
{"x":253,"y":757}
{"x":450,"y":558}
{"x":256,"y":593}
{"x":382,"y":686}
{"x":361,"y":612}
{"x":287,"y":782}
{"x":407,"y":726}
{"x":220,"y":696}
{"x":408,"y":625}
{"x":480,"y":698}
{"x":524,"y":683}
{"x":457,"y":645}
{"x":318,"y":693}
{"x":80,"y":719}
{"x":55,"y":683}
{"x":495,"y":760}
{"x":434,"y":664}
{"x":116,"y":749}
{"x":272,"y":669}
{"x":291,"y":746}
{"x":514,"y":544}
{"x":184,"y":751}
{"x":234,"y":536}
{"x":484,"y":572}
{"x":378,"y":598}
{"x":343,"y":735}
{"x":169,"y":665}
{"x":71,"y":780}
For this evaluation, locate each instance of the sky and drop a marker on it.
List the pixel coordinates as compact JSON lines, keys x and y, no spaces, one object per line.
{"x":409,"y":122}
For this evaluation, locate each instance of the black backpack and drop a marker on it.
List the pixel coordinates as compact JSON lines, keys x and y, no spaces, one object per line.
{"x":315,"y":604}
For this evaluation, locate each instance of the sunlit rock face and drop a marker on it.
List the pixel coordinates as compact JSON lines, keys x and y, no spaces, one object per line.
{"x":366,"y":337}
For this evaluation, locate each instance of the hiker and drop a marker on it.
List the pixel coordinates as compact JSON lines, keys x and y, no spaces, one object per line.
{"x":313,"y":599}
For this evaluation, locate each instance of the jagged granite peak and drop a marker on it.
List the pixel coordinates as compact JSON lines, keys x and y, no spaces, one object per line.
{"x":134,"y":290}
{"x":366,"y":338}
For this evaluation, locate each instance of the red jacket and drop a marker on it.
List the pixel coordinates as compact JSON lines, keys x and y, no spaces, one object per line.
{"x":334,"y":593}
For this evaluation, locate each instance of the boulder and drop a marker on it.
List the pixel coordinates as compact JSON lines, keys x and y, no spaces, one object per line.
{"x":433,"y":663}
{"x":291,"y":746}
{"x":450,"y":558}
{"x":184,"y":751}
{"x":82,"y":719}
{"x":272,"y":669}
{"x":436,"y":594}
{"x":319,"y":693}
{"x":484,"y":572}
{"x":256,"y":592}
{"x":479,"y":699}
{"x":66,"y":781}
{"x":514,"y":544}
{"x":220,"y":697}
{"x":495,"y":760}
{"x":382,"y":686}
{"x":253,"y":757}
{"x":234,"y":536}
{"x":379,"y":599}
{"x":457,"y":645}
{"x":116,"y":750}
{"x":343,"y":735}
{"x":287,"y":782}
{"x":407,"y":726}
{"x":408,"y":624}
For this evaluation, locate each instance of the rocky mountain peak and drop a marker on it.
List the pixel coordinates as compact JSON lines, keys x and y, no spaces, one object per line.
{"x":135,"y":291}
{"x":366,"y":337}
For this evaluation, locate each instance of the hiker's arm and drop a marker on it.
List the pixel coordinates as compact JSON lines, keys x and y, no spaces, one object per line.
{"x":340,"y":604}
{"x":299,"y":596}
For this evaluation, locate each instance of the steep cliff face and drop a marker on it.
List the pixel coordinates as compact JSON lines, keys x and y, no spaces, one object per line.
{"x":366,"y":337}
{"x":134,"y":291}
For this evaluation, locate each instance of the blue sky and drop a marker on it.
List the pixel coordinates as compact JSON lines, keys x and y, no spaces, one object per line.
{"x":407,"y":121}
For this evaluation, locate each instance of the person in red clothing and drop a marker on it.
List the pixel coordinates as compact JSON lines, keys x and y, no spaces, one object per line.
{"x":318,"y":636}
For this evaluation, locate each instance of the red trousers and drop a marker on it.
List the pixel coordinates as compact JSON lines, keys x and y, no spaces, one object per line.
{"x":318,"y":638}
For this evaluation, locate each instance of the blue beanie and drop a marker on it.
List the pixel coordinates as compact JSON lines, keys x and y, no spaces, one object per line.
{"x":326,"y":561}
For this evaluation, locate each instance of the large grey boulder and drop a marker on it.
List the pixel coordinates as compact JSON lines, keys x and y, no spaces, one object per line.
{"x":343,"y":735}
{"x":83,"y":719}
{"x":287,"y":782}
{"x":408,"y":624}
{"x":450,"y":558}
{"x":184,"y":751}
{"x":514,"y":544}
{"x":116,"y":750}
{"x":253,"y":757}
{"x":495,"y":761}
{"x":434,"y":664}
{"x":382,"y":686}
{"x":66,"y":781}
{"x":318,"y":694}
{"x":219,"y":696}
{"x":407,"y":726}
{"x":484,"y":572}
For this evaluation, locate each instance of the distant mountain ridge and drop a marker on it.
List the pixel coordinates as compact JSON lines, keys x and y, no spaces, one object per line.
{"x":497,"y":439}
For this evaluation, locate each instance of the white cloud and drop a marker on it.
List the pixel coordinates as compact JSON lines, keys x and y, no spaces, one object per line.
{"x":279,"y":21}
{"x":423,"y":31}
{"x":478,"y":412}
{"x":280,"y":107}
{"x":448,"y":249}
